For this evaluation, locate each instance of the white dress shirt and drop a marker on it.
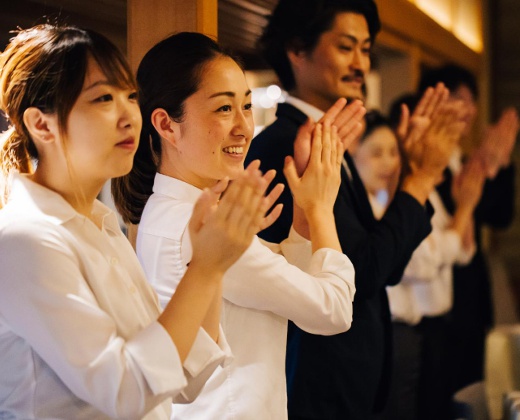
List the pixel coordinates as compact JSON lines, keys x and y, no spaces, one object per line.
{"x":78,"y":332}
{"x":426,"y":288}
{"x":261,"y":292}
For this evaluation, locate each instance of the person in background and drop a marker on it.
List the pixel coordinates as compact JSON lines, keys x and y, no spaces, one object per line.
{"x":81,"y":334}
{"x":378,"y":162}
{"x":420,"y":303}
{"x":198,"y":126}
{"x":472,"y":311}
{"x":320,"y":50}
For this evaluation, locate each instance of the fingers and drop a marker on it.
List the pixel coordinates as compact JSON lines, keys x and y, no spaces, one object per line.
{"x":302,"y":146}
{"x":273,"y":195}
{"x":404,"y":120}
{"x":289,"y":170}
{"x":334,"y":111}
{"x":347,"y":114}
{"x":317,"y":144}
{"x":272,"y":216}
{"x":431,"y":99}
{"x":350,"y":123}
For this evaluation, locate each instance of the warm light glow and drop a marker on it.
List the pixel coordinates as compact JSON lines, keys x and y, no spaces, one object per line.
{"x":438,"y":10}
{"x":460,"y":17}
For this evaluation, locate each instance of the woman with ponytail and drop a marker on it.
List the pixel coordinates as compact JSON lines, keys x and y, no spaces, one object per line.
{"x":81,"y":333}
{"x":198,"y":126}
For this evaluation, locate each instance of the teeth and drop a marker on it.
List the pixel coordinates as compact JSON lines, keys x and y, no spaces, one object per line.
{"x":234,"y":150}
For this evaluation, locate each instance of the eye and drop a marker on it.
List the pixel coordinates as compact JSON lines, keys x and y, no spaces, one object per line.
{"x":225,"y":108}
{"x":248,"y":107}
{"x":367,"y":50}
{"x":133,"y":96}
{"x":345,"y":47}
{"x":103,"y":98}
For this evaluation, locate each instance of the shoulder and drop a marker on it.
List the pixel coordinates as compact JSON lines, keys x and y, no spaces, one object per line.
{"x":165,"y":217}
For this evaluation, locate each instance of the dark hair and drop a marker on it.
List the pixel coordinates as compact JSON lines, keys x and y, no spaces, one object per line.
{"x":452,"y":75}
{"x":374,"y":120}
{"x":394,"y":116}
{"x":300,"y":23}
{"x":45,"y":67}
{"x":168,"y":74}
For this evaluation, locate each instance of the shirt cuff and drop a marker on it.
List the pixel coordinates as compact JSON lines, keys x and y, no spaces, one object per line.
{"x":205,"y":351}
{"x":157,"y":356}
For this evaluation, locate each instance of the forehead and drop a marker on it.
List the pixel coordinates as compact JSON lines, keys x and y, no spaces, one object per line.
{"x":382,"y":137}
{"x":350,"y":24}
{"x":222,"y":74}
{"x":463,"y":92}
{"x":93,"y":72}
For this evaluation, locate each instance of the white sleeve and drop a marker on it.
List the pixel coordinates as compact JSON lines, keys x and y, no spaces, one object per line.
{"x":442,"y":247}
{"x":319,"y":302}
{"x":204,"y":357}
{"x":46,"y":300}
{"x":164,"y":270}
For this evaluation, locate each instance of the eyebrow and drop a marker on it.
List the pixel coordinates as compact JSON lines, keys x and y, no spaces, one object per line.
{"x":229,"y":94}
{"x":98,"y":83}
{"x":354,"y":39}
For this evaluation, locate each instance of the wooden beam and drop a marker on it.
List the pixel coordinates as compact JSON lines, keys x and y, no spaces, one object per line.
{"x":401,"y":19}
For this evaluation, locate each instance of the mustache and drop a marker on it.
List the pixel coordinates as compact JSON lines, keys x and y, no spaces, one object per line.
{"x":357,"y":74}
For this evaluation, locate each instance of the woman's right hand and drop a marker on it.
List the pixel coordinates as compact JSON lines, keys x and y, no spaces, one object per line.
{"x":317,"y":188}
{"x":223,"y":225}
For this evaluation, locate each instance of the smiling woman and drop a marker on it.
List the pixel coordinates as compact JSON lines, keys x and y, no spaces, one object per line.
{"x":81,"y":334}
{"x":198,"y":121}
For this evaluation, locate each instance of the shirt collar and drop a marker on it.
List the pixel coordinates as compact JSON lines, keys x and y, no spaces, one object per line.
{"x":36,"y":198}
{"x":308,"y":109}
{"x":173,"y":187}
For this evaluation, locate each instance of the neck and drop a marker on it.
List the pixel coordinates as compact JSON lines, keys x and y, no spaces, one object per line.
{"x":311,"y":99}
{"x":173,"y":167}
{"x":79,"y":193}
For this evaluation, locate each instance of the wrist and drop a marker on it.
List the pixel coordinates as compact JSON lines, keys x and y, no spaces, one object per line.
{"x":204,"y":270}
{"x":419,"y":186}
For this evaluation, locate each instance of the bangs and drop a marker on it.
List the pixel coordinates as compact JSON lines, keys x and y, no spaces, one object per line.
{"x":116,"y":71}
{"x":112,"y":62}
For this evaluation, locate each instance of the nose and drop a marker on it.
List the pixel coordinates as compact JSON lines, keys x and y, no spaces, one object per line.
{"x":360,"y":61}
{"x":129,"y":113}
{"x":243,"y":124}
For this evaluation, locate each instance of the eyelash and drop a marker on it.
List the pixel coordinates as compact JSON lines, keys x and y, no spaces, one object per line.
{"x":366,"y":51}
{"x":103,"y":98}
{"x":247,"y":107}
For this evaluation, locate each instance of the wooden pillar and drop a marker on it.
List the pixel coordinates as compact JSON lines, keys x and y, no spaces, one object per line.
{"x":150,"y":21}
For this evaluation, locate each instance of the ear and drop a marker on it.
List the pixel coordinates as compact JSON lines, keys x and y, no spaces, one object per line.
{"x":42,"y":127}
{"x":296,"y":56}
{"x":165,"y":126}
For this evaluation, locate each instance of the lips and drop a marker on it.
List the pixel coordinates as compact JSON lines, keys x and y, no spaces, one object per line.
{"x":353,"y":79}
{"x":128,"y":143}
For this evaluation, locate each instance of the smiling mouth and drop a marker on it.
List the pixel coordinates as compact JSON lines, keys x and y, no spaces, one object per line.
{"x":234,"y":150}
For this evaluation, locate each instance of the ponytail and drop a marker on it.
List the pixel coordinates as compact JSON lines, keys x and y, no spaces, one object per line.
{"x":15,"y":156}
{"x":131,"y":192}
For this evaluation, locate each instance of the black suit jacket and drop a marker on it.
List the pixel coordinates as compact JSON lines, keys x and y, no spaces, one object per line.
{"x":345,"y":376}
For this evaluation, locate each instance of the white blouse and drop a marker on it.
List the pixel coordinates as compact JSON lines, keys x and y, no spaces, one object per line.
{"x":261,"y":292}
{"x":78,"y":332}
{"x":426,"y":288}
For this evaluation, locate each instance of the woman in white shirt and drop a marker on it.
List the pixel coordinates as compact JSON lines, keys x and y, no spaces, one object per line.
{"x":81,"y":334}
{"x":197,"y":117}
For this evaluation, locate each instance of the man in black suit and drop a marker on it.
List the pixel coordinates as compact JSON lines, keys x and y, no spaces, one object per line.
{"x":320,"y":49}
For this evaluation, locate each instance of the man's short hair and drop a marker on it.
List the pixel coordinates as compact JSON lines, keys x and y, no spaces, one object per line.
{"x":452,"y":75}
{"x":298,"y":24}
